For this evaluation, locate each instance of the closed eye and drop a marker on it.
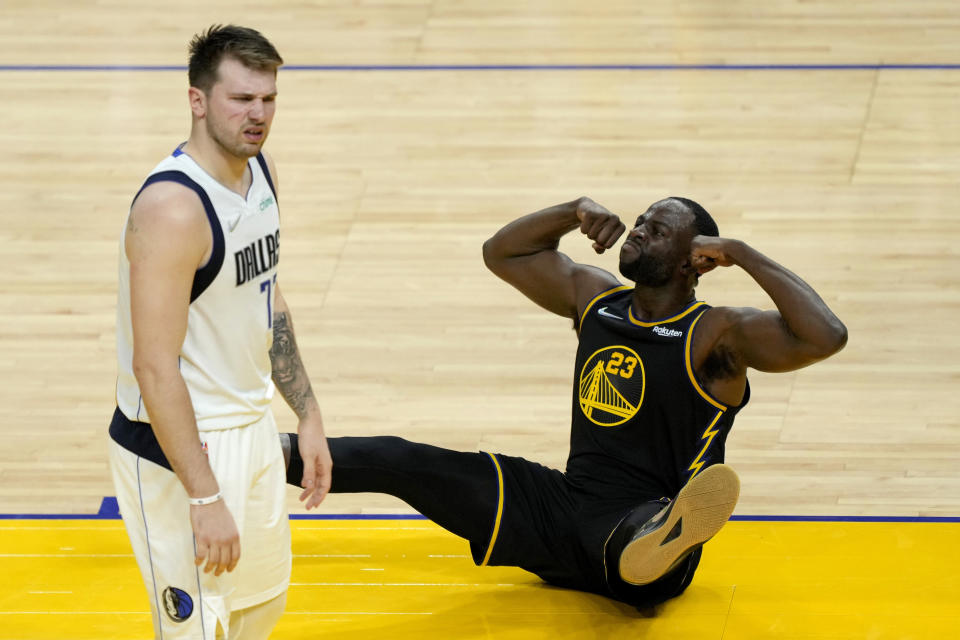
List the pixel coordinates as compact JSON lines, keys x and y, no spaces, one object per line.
{"x":659,"y":229}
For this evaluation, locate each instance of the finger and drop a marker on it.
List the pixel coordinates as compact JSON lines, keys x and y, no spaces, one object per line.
{"x":309,"y":471}
{"x":597,"y":227}
{"x":225,"y":559}
{"x":222,"y":563}
{"x":234,"y":555}
{"x":610,"y":234}
{"x":703,"y":261}
{"x":315,"y":481}
{"x":213,"y":559}
{"x":305,"y":494}
{"x":323,"y":484}
{"x":309,"y":481}
{"x":201,"y":554}
{"x":586,"y":221}
{"x":703,"y":270}
{"x":599,"y":248}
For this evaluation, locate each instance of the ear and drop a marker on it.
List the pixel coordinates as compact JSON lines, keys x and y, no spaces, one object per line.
{"x":198,"y":102}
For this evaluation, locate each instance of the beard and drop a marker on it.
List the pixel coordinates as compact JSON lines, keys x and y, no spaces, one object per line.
{"x":226,"y":141}
{"x":646,"y":270}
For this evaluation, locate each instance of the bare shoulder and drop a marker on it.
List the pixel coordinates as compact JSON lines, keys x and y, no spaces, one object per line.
{"x":167,"y":203}
{"x":716,"y":324}
{"x":723,"y":318}
{"x":168,"y":214}
{"x":591,"y":281}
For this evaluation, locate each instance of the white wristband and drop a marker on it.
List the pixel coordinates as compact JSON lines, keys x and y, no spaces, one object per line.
{"x":199,"y":502}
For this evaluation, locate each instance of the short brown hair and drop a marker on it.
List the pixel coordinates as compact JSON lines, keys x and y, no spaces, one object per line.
{"x":209,"y":48}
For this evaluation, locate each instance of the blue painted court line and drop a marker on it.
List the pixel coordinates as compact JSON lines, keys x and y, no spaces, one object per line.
{"x":109,"y":510}
{"x":417,"y":516}
{"x":108,"y":513}
{"x":845,"y":518}
{"x":509,"y":67}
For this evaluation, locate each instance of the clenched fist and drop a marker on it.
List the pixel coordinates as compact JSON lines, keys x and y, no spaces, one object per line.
{"x":599,"y":224}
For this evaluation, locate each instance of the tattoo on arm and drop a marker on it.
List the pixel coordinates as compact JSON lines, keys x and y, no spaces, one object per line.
{"x":288,"y":371}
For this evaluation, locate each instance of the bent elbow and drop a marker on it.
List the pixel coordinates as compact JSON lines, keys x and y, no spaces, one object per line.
{"x":840,"y":336}
{"x":834,"y":340}
{"x":491,"y":256}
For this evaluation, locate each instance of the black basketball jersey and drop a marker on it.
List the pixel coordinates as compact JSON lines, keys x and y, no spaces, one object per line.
{"x":642,"y":423}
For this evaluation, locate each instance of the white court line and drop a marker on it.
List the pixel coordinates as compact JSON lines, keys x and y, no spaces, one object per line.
{"x":74,"y":613}
{"x":358,"y":613}
{"x":66,"y":555}
{"x":397,"y":584}
{"x":431,"y":528}
{"x":130,"y":555}
{"x":332,"y":555}
{"x":117,"y":528}
{"x":147,"y":613}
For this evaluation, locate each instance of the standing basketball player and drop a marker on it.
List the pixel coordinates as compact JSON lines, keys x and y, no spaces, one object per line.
{"x":659,"y":377}
{"x":201,"y":329}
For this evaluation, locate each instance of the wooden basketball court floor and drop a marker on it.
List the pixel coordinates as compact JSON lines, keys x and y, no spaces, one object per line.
{"x":824,"y":134}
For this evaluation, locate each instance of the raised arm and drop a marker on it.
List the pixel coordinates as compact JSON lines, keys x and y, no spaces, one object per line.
{"x":524,"y":253}
{"x":290,"y":377}
{"x":167,"y":238}
{"x":801,"y":331}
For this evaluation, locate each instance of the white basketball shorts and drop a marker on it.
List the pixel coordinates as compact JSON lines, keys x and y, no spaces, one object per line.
{"x":186,"y":602}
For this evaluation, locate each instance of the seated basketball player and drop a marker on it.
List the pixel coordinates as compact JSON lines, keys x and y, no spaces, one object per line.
{"x":658,"y":380}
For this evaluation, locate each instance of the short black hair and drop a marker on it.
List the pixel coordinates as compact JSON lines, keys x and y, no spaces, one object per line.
{"x":209,"y":48}
{"x":702,"y":221}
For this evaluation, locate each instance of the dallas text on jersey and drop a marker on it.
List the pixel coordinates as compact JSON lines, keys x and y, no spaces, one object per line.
{"x":258,"y":257}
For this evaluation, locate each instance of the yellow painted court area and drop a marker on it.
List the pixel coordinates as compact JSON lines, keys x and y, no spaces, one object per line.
{"x":410,"y":579}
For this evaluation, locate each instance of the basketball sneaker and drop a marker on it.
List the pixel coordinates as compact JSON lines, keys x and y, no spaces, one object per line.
{"x":656,"y":545}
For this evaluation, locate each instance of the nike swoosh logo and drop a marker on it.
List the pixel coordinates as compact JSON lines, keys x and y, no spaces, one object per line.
{"x":603,"y":311}
{"x":234,"y":223}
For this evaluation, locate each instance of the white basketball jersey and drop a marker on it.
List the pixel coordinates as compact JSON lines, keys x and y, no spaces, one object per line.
{"x":225,"y":357}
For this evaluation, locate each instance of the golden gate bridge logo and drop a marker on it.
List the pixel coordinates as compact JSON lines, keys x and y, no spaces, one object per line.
{"x":612,"y":383}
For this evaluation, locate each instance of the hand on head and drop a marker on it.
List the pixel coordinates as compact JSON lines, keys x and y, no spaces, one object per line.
{"x":708,"y":252}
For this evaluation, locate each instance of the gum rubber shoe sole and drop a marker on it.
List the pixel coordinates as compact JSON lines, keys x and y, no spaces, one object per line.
{"x":699,"y":511}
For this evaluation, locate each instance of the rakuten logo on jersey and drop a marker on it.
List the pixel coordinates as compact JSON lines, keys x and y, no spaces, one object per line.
{"x":667,"y":333}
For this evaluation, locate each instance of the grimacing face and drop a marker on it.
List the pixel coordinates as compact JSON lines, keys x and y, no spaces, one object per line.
{"x":240,"y":108}
{"x":658,"y":244}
